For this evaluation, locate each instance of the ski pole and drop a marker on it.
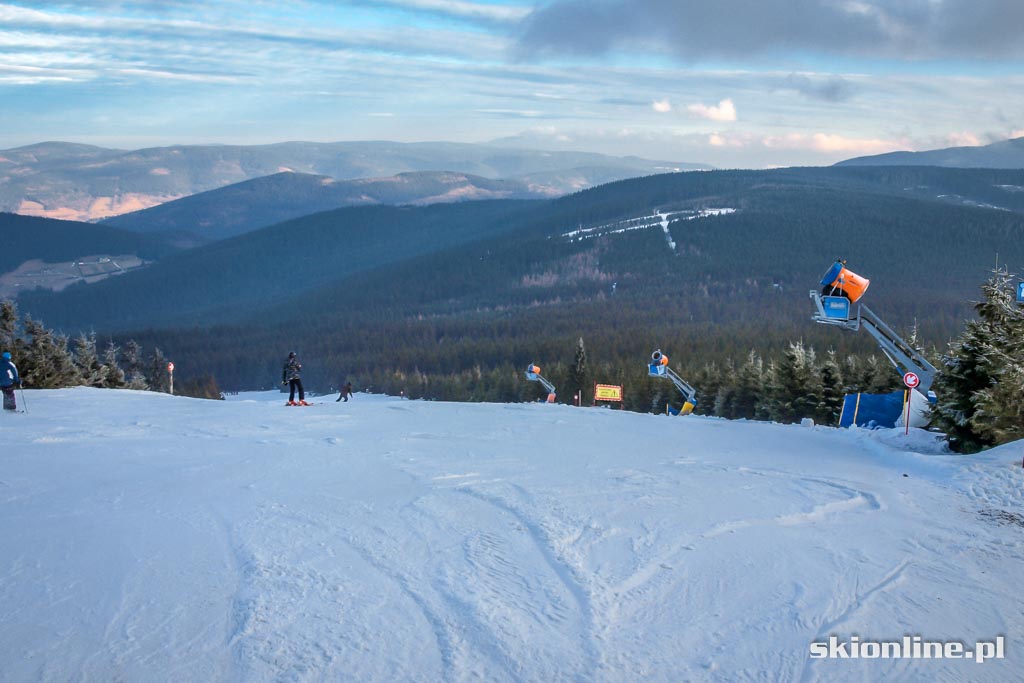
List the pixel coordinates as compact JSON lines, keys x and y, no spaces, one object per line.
{"x":24,"y":403}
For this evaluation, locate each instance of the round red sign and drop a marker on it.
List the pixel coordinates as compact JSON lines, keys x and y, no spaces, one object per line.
{"x":170,"y":367}
{"x":911,"y":379}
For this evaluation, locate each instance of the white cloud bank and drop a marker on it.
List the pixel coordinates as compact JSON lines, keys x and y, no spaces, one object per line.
{"x":725,"y":111}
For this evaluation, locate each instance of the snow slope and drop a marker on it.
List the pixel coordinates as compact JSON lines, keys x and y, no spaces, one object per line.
{"x":150,"y":538}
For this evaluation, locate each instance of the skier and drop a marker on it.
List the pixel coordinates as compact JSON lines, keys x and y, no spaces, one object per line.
{"x":346,"y":391}
{"x":292,"y":377}
{"x":8,"y":380}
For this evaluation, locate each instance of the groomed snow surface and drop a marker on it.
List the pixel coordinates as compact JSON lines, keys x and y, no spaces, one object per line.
{"x":145,"y":537}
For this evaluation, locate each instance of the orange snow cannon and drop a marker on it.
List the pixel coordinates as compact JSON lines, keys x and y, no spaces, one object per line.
{"x":841,"y":281}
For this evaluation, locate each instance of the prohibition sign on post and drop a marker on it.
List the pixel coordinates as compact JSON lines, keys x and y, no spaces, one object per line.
{"x":911,"y":380}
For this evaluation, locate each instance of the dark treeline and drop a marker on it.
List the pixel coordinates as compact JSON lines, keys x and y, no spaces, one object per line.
{"x":47,"y":360}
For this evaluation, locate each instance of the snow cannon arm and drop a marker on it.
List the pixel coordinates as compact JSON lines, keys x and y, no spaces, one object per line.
{"x":904,"y":357}
{"x":533,"y":375}
{"x":659,"y":368}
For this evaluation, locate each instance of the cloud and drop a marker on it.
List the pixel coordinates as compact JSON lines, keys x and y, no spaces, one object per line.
{"x":460,"y":9}
{"x":725,"y":111}
{"x":700,"y":30}
{"x":827,"y":88}
{"x":661,"y":106}
{"x":831,"y":143}
{"x":511,"y":113}
{"x":963,"y":139}
{"x":728,"y":140}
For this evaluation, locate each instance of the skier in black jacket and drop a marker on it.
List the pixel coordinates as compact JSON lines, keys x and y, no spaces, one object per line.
{"x":292,"y":376}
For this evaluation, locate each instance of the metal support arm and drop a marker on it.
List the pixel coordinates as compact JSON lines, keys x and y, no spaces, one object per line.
{"x":901,"y":354}
{"x":688,"y":392}
{"x":904,"y":357}
{"x":533,"y":377}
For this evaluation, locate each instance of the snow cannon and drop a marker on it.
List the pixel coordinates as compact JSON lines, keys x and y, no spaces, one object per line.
{"x":533,"y":375}
{"x":835,"y":305}
{"x":659,"y":358}
{"x":841,"y":281}
{"x":658,"y":367}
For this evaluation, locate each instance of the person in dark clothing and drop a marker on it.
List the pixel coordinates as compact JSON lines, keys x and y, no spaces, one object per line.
{"x":346,"y":391}
{"x":292,"y":376}
{"x":9,"y":379}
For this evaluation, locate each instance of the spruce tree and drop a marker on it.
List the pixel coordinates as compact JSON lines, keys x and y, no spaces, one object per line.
{"x":749,"y":388}
{"x":46,"y":362}
{"x":87,"y":361}
{"x":38,"y":369}
{"x":9,"y":330}
{"x":113,"y":375}
{"x":832,"y":394}
{"x":579,"y":372}
{"x":796,"y":388}
{"x":979,"y":373}
{"x":134,"y":374}
{"x":707,"y":382}
{"x":65,"y":372}
{"x":157,"y":378}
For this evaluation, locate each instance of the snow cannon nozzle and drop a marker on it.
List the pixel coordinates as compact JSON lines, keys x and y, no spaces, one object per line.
{"x":533,"y":369}
{"x":659,"y":358}
{"x":841,"y":281}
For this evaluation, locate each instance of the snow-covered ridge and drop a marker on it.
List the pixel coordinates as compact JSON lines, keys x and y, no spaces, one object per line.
{"x":658,"y":219}
{"x":153,"y":538}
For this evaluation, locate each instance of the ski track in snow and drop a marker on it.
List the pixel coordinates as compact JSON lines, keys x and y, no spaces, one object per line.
{"x":152,"y":538}
{"x":657,"y":219}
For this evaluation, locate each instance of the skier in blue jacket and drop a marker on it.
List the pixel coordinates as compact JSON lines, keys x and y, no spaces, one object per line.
{"x":9,"y":379}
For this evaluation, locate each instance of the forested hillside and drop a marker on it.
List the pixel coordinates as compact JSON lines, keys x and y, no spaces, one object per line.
{"x":453,"y":301}
{"x":243,"y":276}
{"x":28,"y":237}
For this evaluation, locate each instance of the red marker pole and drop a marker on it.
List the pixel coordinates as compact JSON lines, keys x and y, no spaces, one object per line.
{"x":911,"y":380}
{"x":170,"y":374}
{"x":907,"y":418}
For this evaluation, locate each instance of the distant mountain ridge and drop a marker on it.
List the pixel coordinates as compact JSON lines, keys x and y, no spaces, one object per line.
{"x":1002,"y":154}
{"x":252,"y":204}
{"x":83,"y":182}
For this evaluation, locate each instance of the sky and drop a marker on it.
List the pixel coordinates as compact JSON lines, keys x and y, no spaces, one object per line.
{"x":731,"y":83}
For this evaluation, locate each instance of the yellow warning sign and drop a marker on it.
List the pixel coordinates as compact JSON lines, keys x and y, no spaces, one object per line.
{"x":607,"y":392}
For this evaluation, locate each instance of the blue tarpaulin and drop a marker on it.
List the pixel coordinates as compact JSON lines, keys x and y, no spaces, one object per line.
{"x":872,"y":410}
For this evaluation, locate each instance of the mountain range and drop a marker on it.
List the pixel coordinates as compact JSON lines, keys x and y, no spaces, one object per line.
{"x":82,"y":182}
{"x":246,"y":206}
{"x":1002,"y":154}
